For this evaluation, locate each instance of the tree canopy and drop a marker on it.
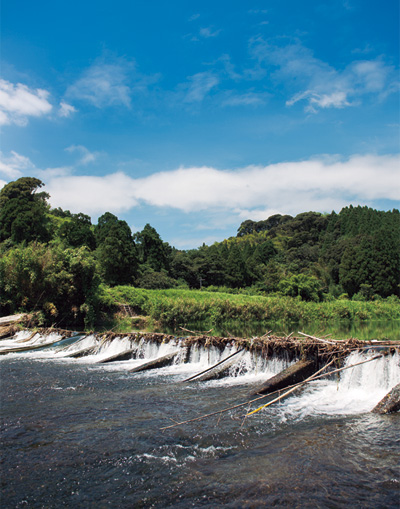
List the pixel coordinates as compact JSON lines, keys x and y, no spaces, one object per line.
{"x":56,"y":260}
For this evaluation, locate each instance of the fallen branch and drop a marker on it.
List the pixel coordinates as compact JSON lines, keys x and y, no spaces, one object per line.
{"x":315,"y":377}
{"x":318,"y":339}
{"x":311,"y":378}
{"x":213,"y":366}
{"x":196,"y":332}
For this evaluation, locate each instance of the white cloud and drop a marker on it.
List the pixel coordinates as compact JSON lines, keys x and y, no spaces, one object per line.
{"x":246,"y":99}
{"x":208,"y":32}
{"x":15,"y":165}
{"x":104,"y":84}
{"x":320,"y":84}
{"x":86,"y":155}
{"x":92,"y":195}
{"x":19,"y":102}
{"x":320,"y":184}
{"x":198,"y":86}
{"x":66,"y":110}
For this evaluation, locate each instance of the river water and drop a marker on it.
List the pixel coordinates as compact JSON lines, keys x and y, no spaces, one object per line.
{"x":76,"y":433}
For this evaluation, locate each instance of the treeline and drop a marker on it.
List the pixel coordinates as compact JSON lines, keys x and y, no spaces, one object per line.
{"x":57,"y":262}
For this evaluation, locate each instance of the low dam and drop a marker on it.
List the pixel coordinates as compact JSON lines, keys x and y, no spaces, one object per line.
{"x":151,"y":420}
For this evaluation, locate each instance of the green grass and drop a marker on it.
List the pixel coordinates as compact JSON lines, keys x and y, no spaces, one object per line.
{"x":172,"y":308}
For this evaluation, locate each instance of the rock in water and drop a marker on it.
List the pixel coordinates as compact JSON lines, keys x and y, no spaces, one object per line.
{"x":390,"y":403}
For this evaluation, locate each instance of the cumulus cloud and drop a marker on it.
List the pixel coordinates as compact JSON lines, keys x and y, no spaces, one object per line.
{"x":320,"y":184}
{"x":92,"y":195}
{"x":19,"y":102}
{"x":320,"y":84}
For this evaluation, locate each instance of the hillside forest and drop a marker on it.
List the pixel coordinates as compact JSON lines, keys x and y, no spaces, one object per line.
{"x":58,"y":263}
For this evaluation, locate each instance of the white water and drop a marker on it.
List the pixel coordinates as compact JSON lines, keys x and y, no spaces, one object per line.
{"x":353,"y":391}
{"x":357,"y":390}
{"x":17,"y":341}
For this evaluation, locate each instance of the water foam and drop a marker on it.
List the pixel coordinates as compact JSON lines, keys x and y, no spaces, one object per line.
{"x":354,"y":391}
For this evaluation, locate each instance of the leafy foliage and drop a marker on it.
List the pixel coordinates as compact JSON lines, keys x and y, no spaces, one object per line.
{"x":55,"y":261}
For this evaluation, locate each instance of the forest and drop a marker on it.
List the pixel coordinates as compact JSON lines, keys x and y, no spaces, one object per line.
{"x":61,"y":265}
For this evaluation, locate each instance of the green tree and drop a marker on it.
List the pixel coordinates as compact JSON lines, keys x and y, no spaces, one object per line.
{"x":62,"y":283}
{"x":301,"y":285}
{"x":152,"y":251}
{"x":77,"y":231}
{"x":23,"y":211}
{"x":116,"y":251}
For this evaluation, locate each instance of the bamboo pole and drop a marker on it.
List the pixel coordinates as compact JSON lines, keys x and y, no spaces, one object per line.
{"x":311,"y":378}
{"x":318,"y":339}
{"x":315,"y":377}
{"x":212,"y":367}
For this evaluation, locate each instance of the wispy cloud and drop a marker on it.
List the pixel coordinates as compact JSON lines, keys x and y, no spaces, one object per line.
{"x":86,"y":156}
{"x":66,"y":110}
{"x":14,"y":165}
{"x":198,"y":86}
{"x":245,"y":99}
{"x":19,"y":102}
{"x":109,"y":82}
{"x":208,"y":32}
{"x":319,"y":84}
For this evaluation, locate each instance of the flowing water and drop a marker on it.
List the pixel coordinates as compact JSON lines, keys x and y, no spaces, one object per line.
{"x":76,"y":433}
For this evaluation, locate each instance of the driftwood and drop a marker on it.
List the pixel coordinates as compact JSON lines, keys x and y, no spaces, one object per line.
{"x":311,"y":378}
{"x":390,"y":403}
{"x":319,"y":339}
{"x":160,"y":362}
{"x":207,"y":375}
{"x":8,"y":320}
{"x":289,"y":376}
{"x":246,"y":403}
{"x":30,"y":347}
{"x":122,"y":356}
{"x":81,"y":353}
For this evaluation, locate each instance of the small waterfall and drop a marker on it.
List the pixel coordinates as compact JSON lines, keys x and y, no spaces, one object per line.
{"x":353,"y":391}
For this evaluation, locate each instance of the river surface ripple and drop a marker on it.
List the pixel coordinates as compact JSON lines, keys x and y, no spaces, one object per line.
{"x":79,"y":435}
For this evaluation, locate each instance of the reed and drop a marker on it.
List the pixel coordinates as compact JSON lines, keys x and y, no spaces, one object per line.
{"x":174,"y":308}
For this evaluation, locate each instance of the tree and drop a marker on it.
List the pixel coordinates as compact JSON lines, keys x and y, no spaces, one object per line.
{"x":116,"y":250}
{"x":152,"y":250}
{"x":62,"y":283}
{"x":301,"y":285}
{"x":77,"y":231}
{"x":23,"y":211}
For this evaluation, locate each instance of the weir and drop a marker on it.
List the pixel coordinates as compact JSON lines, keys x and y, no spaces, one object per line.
{"x":266,"y":364}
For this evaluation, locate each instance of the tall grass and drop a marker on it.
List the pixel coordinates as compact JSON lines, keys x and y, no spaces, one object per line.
{"x":174,"y":308}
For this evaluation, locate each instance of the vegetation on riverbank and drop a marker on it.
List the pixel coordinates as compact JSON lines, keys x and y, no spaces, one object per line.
{"x":173,"y":309}
{"x":309,"y":267}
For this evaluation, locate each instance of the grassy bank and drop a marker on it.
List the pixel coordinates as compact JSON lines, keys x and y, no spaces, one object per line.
{"x":178,"y":308}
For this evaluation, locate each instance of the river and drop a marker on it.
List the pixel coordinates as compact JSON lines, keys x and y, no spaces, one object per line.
{"x":80,"y":434}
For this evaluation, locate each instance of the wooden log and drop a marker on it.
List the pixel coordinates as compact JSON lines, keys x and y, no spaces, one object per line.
{"x":8,"y":320}
{"x":390,"y":403}
{"x":29,"y":348}
{"x":122,"y":356}
{"x":160,"y":362}
{"x":215,"y":371}
{"x":289,"y":376}
{"x":81,"y":353}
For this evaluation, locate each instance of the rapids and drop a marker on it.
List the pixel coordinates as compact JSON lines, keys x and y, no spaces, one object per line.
{"x":77,"y":433}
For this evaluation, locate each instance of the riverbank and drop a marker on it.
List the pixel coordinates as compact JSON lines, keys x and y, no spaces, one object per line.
{"x":246,"y":315}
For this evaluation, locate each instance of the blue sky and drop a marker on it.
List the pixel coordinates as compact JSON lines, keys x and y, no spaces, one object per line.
{"x":194,"y":116}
